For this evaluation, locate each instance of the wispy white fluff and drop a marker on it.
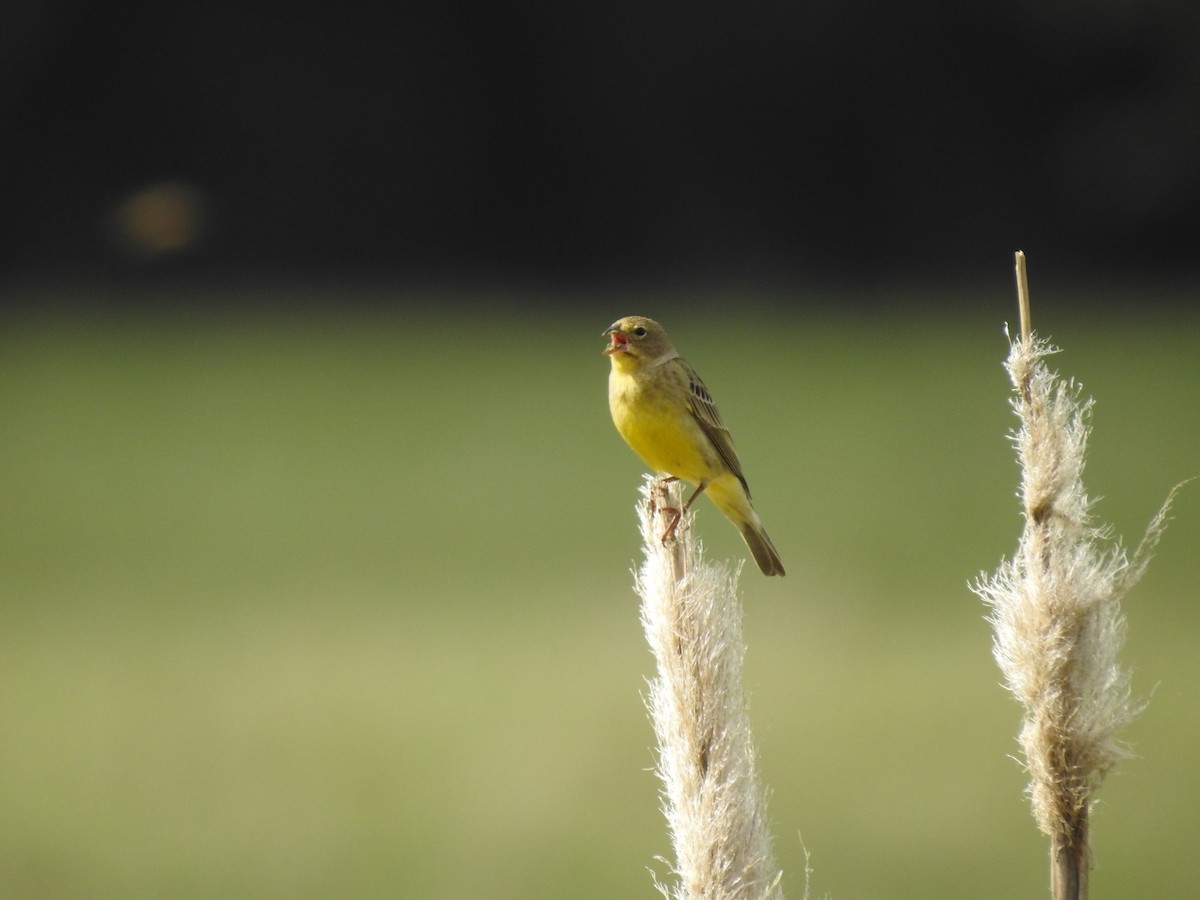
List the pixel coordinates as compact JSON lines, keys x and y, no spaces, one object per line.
{"x":715,"y":808}
{"x":1055,"y":609}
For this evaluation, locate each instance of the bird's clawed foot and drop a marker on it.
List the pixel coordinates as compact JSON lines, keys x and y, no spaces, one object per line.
{"x":669,"y":532}
{"x":675,"y":513}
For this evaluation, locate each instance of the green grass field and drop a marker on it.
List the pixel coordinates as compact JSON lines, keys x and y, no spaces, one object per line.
{"x":339,"y":604}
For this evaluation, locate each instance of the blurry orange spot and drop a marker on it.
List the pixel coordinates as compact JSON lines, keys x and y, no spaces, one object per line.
{"x":160,"y":219}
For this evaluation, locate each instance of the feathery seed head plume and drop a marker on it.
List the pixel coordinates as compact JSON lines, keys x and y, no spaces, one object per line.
{"x":711,"y":796}
{"x":1055,"y":610}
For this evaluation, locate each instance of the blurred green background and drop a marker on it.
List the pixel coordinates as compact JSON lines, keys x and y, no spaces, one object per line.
{"x":337,"y":603}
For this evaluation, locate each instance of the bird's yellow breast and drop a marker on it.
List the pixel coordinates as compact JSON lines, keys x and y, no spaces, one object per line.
{"x":651,"y":413}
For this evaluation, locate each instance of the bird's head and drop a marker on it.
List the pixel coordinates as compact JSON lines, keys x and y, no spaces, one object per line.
{"x":635,"y":341}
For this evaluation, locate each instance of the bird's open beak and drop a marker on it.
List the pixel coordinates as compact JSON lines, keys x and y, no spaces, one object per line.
{"x":619,"y":341}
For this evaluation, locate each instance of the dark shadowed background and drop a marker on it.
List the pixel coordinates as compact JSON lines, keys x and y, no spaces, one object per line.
{"x":840,"y":141}
{"x":315,"y":535}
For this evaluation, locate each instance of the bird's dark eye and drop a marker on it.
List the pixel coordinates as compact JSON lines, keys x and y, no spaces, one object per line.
{"x":640,"y":331}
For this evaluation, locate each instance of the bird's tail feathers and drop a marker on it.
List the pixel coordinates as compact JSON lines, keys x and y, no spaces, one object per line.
{"x":762,"y":549}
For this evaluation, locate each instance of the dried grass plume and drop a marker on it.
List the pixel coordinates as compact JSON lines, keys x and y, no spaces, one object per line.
{"x":715,"y":808}
{"x":1055,"y":608}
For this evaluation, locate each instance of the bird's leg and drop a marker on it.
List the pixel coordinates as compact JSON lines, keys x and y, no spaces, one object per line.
{"x":677,"y":513}
{"x":658,"y":503}
{"x":659,"y":495}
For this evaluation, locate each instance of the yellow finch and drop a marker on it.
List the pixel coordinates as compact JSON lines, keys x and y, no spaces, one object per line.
{"x":665,"y":413}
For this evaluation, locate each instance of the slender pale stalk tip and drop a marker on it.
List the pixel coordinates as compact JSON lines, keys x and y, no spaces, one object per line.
{"x":715,"y":808}
{"x":1023,"y":296}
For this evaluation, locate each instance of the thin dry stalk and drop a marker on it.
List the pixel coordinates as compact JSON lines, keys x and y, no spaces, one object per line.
{"x":1055,"y":609}
{"x":715,"y":808}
